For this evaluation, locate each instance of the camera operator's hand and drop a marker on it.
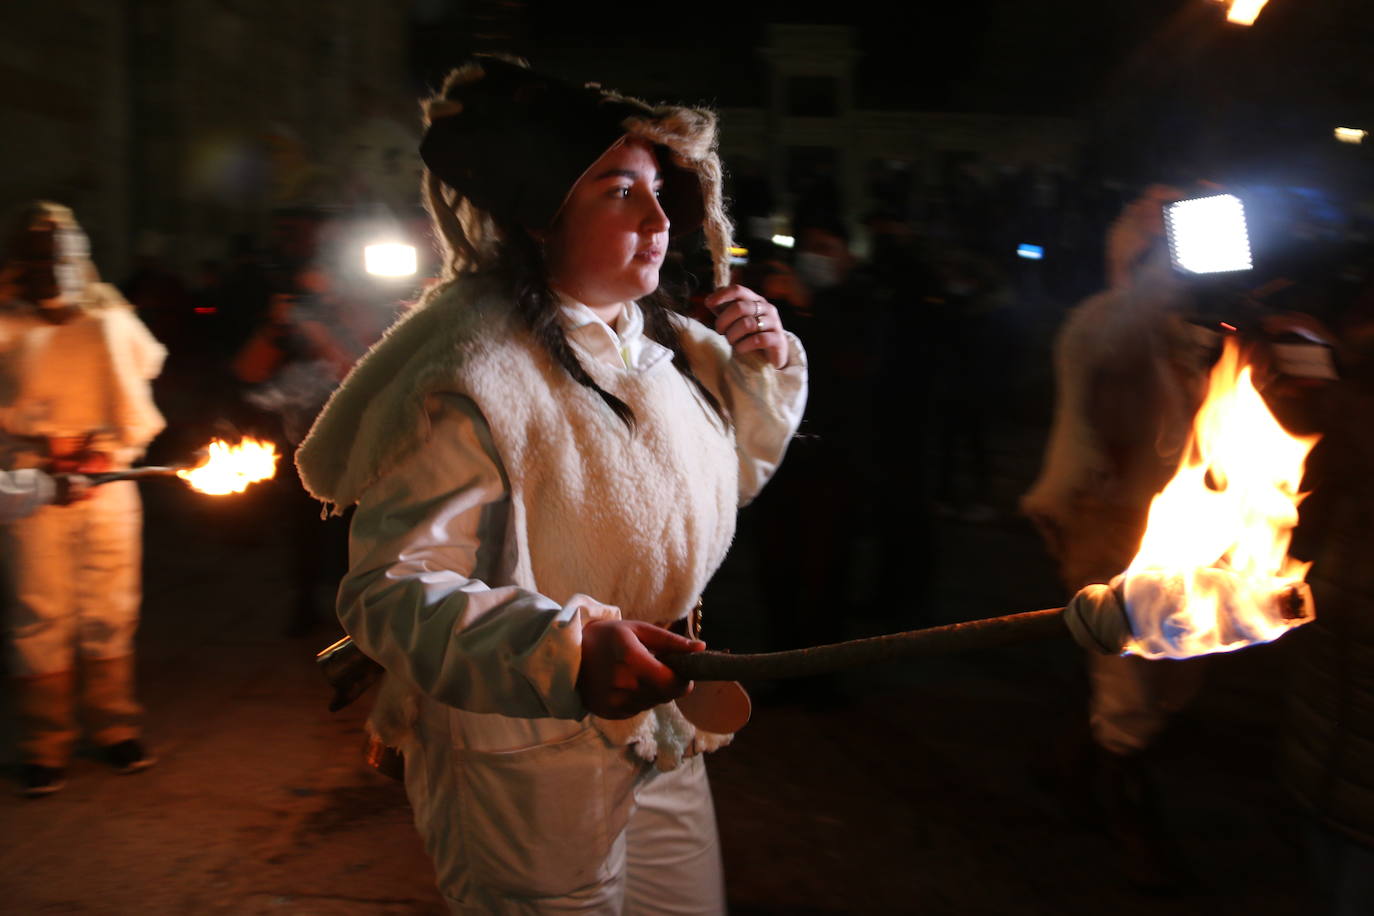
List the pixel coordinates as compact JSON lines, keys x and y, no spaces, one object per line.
{"x":620,"y":674}
{"x":93,"y":462}
{"x":71,"y":488}
{"x":749,"y":322}
{"x":1135,"y":230}
{"x":1293,"y":369}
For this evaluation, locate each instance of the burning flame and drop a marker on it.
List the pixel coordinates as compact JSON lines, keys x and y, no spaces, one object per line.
{"x":231,"y":468}
{"x":1245,"y":12}
{"x":1214,"y":558}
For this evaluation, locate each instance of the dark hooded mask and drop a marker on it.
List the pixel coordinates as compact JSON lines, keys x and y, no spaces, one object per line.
{"x":52,"y":263}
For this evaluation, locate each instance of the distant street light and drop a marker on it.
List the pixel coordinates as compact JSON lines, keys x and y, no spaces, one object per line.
{"x":1351,"y":135}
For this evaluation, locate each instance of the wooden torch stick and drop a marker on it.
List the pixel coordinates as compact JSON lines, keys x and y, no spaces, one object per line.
{"x":352,"y":673}
{"x":140,"y":473}
{"x":974,"y":634}
{"x":1095,"y":619}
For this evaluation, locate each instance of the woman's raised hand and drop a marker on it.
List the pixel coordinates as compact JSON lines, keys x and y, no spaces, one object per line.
{"x":749,"y":322}
{"x":620,"y":674}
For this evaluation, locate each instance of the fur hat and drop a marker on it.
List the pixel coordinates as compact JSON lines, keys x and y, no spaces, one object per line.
{"x":514,"y":142}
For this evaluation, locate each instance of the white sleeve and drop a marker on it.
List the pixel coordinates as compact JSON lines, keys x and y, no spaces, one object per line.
{"x":21,"y":492}
{"x":136,"y":358}
{"x":765,"y":403}
{"x":423,"y":540}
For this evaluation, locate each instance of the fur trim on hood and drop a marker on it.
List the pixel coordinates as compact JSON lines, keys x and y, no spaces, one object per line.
{"x":373,"y":419}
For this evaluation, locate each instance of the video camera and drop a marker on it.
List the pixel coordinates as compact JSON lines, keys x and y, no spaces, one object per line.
{"x":1210,"y":247}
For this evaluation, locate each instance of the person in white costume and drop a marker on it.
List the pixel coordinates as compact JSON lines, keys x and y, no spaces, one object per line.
{"x":1130,"y":373}
{"x":75,"y":366}
{"x":547,"y":462}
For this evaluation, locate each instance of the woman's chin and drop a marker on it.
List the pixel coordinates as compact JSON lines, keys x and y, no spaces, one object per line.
{"x":632,"y":292}
{"x":648,"y":282}
{"x":629,"y":288}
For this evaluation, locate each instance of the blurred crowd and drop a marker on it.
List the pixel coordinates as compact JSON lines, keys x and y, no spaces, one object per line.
{"x":928,"y":326}
{"x":257,"y":342}
{"x":945,"y":331}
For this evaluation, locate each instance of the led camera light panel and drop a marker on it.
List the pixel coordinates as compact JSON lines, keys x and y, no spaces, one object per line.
{"x":1207,"y":235}
{"x":390,"y":260}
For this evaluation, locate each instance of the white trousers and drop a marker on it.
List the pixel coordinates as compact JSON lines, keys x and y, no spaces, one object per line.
{"x":73,"y":577}
{"x":566,"y":825}
{"x":1133,"y":699}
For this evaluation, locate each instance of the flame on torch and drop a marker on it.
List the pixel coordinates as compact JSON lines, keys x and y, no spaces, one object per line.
{"x":1245,"y":12}
{"x":231,"y":468}
{"x":1214,"y":558}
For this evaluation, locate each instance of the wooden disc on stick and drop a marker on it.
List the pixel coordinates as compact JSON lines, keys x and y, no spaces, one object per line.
{"x":721,"y":707}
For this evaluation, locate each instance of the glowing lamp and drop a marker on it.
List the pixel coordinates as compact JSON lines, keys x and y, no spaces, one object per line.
{"x":390,"y":259}
{"x":1207,"y":235}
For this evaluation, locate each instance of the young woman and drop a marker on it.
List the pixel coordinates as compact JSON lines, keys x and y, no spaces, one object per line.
{"x":547,"y":462}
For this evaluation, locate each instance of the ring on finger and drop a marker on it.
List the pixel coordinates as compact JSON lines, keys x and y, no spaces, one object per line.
{"x":758,"y":310}
{"x":758,"y":324}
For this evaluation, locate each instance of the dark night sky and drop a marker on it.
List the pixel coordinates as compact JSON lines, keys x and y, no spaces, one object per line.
{"x":1012,"y":56}
{"x":1006,"y":55}
{"x":1160,"y":83}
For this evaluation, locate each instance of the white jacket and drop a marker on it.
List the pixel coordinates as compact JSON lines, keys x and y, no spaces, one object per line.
{"x":495,"y":495}
{"x":86,"y":377}
{"x":1129,"y":375}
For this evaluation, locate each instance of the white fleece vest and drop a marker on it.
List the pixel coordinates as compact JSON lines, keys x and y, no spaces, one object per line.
{"x":639,"y":519}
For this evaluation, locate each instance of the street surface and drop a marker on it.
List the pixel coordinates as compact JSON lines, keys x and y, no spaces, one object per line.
{"x":917,"y":789}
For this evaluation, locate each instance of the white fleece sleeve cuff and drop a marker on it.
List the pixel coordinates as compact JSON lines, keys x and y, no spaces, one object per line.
{"x":553,"y":664}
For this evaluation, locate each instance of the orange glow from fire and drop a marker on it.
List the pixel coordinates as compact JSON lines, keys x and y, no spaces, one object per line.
{"x":1245,"y":12}
{"x":231,"y":468}
{"x":1215,"y":550}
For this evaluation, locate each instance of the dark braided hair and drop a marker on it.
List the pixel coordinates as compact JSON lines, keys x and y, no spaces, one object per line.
{"x":471,"y":242}
{"x":523,"y":263}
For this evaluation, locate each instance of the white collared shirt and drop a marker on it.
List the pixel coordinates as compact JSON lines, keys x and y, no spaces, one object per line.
{"x":622,"y":344}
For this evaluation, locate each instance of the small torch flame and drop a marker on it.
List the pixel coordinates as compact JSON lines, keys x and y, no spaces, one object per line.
{"x":1245,"y":12}
{"x":1213,"y":566}
{"x":231,"y":468}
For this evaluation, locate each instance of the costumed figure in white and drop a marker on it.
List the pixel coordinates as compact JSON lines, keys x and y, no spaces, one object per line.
{"x":547,"y":462}
{"x":75,"y":366}
{"x":1130,"y":373}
